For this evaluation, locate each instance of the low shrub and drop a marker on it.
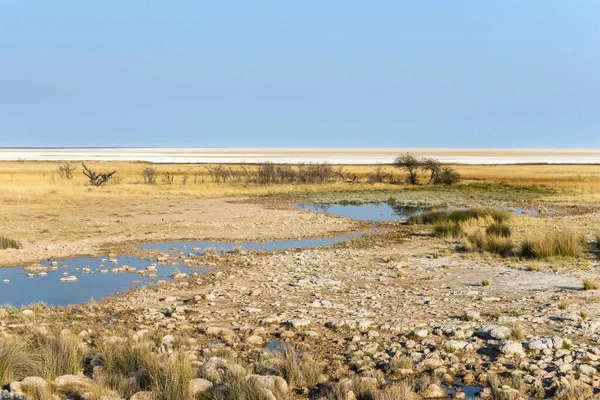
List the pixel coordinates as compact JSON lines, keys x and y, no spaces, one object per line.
{"x":17,"y":361}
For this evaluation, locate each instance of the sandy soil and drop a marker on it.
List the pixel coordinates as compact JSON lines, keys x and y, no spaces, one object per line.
{"x":134,"y":221}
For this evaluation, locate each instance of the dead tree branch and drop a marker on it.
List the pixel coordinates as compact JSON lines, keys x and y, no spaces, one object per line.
{"x":95,"y":178}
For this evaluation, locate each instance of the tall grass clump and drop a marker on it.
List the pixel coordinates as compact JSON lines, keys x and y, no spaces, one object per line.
{"x":498,"y":229}
{"x":435,"y":216}
{"x":17,"y":360}
{"x":8,"y":243}
{"x":59,"y":354}
{"x":238,"y":387}
{"x":171,"y":380}
{"x":483,"y":242}
{"x":398,"y":391}
{"x":563,"y":244}
{"x":121,"y":359}
{"x":448,"y":229}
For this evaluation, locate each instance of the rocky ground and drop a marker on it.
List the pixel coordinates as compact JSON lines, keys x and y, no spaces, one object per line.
{"x":395,"y":306}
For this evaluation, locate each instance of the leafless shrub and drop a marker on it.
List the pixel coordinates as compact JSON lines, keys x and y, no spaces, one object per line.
{"x":167,"y":178}
{"x":65,"y":171}
{"x":149,"y":175}
{"x":315,"y":173}
{"x":378,"y":175}
{"x":198,"y":177}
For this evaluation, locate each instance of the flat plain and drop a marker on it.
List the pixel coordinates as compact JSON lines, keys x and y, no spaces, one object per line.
{"x":408,"y":310}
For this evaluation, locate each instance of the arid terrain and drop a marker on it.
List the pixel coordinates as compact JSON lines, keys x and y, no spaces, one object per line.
{"x":411,"y":309}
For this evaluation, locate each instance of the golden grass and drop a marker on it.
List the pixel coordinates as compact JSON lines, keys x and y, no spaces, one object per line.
{"x":36,"y":205}
{"x":590,"y":284}
{"x":561,"y":245}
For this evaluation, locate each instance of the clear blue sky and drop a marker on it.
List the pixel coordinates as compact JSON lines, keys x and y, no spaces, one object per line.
{"x":508,"y":73}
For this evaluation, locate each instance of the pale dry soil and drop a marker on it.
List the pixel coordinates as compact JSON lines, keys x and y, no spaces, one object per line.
{"x":77,"y":229}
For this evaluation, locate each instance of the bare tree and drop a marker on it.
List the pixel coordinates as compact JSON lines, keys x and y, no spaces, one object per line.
{"x":432,"y":166}
{"x":149,"y":175}
{"x":411,"y":164}
{"x":95,"y":178}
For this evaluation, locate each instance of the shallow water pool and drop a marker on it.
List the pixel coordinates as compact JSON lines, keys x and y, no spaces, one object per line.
{"x":22,"y":290}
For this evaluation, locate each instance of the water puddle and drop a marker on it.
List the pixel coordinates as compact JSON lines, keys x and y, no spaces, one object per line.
{"x":471,"y":392}
{"x":78,"y":280}
{"x":198,"y":248}
{"x":366,"y":212}
{"x":377,"y":212}
{"x":275,"y":346}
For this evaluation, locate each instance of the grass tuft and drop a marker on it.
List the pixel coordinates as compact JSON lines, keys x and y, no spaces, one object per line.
{"x":8,"y":243}
{"x":447,"y":229}
{"x":590,"y":284}
{"x":563,"y":304}
{"x":59,"y":354}
{"x":17,"y":361}
{"x":563,"y":244}
{"x":483,"y":242}
{"x":458,"y":216}
{"x":498,"y":229}
{"x":398,"y":391}
{"x":485,"y":282}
